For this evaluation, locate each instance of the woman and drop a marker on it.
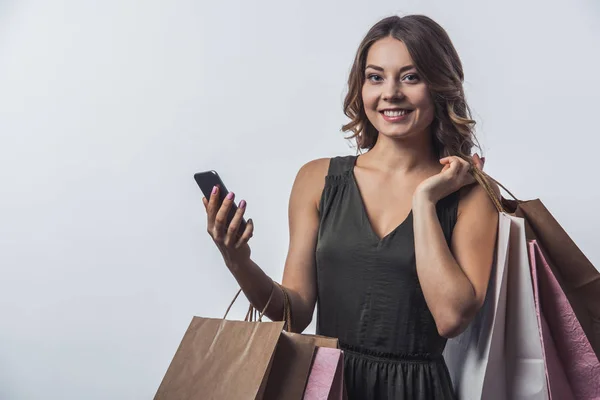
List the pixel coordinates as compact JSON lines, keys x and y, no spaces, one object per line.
{"x":397,"y":243}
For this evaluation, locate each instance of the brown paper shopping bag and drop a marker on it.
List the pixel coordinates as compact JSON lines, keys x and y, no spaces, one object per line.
{"x":293,"y":359}
{"x":221,"y":360}
{"x":292,"y":364}
{"x":250,"y":359}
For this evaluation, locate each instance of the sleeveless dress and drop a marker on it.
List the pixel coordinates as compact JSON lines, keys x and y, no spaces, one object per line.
{"x":370,"y":298}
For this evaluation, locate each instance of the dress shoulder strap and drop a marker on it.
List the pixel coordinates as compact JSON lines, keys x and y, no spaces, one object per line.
{"x":341,"y":165}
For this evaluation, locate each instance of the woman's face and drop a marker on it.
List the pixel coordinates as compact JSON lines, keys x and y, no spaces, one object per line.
{"x":396,"y":100}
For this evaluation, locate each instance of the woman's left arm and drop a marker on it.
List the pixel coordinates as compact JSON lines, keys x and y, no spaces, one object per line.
{"x":454,"y":278}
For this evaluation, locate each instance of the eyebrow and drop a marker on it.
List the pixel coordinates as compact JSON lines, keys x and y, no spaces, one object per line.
{"x":403,"y":69}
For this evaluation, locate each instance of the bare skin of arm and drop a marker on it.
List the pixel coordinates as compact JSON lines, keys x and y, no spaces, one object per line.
{"x":454,"y":278}
{"x":299,"y":277}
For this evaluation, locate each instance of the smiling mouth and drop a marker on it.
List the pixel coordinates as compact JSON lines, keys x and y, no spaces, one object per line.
{"x":395,"y":113}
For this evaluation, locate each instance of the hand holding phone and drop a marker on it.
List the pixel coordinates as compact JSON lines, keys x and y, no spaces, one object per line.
{"x":210,"y":179}
{"x":225,"y":220}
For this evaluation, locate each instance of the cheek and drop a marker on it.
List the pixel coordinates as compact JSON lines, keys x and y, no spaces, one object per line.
{"x":369,"y":98}
{"x":426,"y":105}
{"x":428,"y":109}
{"x":431,"y":111}
{"x":421,"y":96}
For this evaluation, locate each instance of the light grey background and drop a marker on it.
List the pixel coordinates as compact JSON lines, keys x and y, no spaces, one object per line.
{"x":108,"y":108}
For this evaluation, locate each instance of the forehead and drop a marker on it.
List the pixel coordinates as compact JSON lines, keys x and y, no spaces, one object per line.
{"x":388,"y":52}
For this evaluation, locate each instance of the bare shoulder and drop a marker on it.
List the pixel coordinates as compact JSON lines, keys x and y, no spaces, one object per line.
{"x":310,"y":179}
{"x":313,"y":173}
{"x":474,"y":196}
{"x":315,"y":169}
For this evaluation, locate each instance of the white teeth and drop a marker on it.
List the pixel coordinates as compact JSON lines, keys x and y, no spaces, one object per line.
{"x":395,"y":113}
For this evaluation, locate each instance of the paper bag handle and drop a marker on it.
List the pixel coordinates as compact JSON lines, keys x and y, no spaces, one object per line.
{"x":287,"y":309}
{"x":251,"y":314}
{"x":484,"y":181}
{"x":251,"y":308}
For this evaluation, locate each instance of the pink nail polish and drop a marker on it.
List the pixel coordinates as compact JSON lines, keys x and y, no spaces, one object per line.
{"x":243,"y":204}
{"x":214,"y":191}
{"x":230,"y":196}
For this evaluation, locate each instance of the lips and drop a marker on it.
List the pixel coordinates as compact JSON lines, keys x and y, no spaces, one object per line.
{"x":395,"y":112}
{"x":395,"y":115}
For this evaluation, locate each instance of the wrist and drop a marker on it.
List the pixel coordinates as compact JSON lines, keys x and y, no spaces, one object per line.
{"x":236,"y":263}
{"x":424,"y":198}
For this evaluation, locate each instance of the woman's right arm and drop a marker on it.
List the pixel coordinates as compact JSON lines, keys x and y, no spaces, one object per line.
{"x":300,"y":273}
{"x":299,"y":277}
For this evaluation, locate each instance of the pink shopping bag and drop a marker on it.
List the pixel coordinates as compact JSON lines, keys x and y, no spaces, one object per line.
{"x":326,"y":379}
{"x":572,"y":369}
{"x":558,"y":384}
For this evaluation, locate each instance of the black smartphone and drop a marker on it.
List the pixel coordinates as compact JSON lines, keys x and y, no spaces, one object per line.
{"x":209,"y":179}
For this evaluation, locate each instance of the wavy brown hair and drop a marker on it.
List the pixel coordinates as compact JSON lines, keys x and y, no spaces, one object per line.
{"x":438,"y":64}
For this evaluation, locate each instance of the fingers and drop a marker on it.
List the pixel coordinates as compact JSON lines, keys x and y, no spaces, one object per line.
{"x":478,"y":161}
{"x":224,"y":234}
{"x":233,"y":231}
{"x":220,"y":222}
{"x":212,"y":207}
{"x":457,"y":167}
{"x":452,"y":164}
{"x":246,"y":235}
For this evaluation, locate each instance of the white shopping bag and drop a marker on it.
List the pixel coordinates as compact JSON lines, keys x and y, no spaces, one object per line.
{"x":499,"y":356}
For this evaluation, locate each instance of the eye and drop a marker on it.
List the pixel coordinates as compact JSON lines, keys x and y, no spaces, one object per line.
{"x":373,"y":77}
{"x":413,"y":77}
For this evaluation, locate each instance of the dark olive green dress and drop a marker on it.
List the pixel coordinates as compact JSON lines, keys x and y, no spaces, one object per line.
{"x":370,"y":298}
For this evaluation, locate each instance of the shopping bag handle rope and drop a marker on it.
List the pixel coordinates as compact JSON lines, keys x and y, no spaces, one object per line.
{"x":251,"y":308}
{"x":287,"y":309}
{"x":484,"y":180}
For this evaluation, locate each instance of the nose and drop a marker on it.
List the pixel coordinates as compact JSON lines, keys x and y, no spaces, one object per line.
{"x":392,"y":91}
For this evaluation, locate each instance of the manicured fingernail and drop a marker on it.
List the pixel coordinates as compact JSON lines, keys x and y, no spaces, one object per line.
{"x":230,"y":196}
{"x":214,"y":191}
{"x":243,"y":204}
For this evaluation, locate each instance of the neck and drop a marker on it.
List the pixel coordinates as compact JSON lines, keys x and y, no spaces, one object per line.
{"x":403,"y":155}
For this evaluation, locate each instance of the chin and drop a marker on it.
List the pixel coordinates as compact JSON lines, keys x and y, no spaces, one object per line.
{"x":397,"y":134}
